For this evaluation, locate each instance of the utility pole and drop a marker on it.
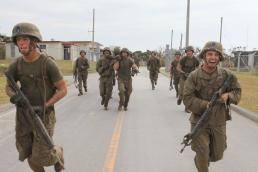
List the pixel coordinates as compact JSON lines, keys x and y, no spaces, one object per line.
{"x":181,"y":42}
{"x":93,"y":32}
{"x":171,"y":39}
{"x":187,"y":23}
{"x":220,"y":35}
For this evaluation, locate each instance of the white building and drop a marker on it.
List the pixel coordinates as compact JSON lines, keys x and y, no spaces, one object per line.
{"x":60,"y":50}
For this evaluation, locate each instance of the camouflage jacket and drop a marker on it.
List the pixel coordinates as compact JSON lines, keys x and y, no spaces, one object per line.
{"x":153,"y":64}
{"x":188,"y":65}
{"x":105,"y":67}
{"x":81,"y":65}
{"x":173,"y":70}
{"x":198,"y":90}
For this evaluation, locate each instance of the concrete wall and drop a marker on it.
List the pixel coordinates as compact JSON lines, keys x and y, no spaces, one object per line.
{"x":55,"y":50}
{"x":11,"y":51}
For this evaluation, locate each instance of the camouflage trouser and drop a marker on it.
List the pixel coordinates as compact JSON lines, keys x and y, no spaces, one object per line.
{"x":153,"y":76}
{"x":125,"y":90}
{"x":82,"y":79}
{"x":31,"y":145}
{"x":181,"y":88}
{"x":209,"y":147}
{"x":176,"y":82}
{"x":105,"y":88}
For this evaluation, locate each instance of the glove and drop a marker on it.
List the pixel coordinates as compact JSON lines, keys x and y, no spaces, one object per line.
{"x":17,"y":100}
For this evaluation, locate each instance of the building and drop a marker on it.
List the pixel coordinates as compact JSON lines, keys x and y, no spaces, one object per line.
{"x":60,"y":50}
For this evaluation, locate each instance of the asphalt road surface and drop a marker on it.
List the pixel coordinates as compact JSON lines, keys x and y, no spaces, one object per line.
{"x":146,"y":138}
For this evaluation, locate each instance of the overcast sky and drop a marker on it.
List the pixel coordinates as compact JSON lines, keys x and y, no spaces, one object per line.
{"x":137,"y":24}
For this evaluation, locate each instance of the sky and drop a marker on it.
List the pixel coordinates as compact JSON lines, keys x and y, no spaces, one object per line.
{"x":137,"y":24}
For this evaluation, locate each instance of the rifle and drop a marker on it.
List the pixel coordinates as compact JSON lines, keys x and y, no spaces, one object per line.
{"x":170,"y":84}
{"x":188,"y":138}
{"x":38,"y":124}
{"x":75,"y":77}
{"x":134,"y":72}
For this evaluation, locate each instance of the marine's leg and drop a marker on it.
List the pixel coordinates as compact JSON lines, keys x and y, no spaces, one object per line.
{"x":201,"y":147}
{"x":109,"y":88}
{"x":121,"y":89}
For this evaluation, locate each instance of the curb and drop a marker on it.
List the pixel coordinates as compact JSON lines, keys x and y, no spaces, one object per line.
{"x":246,"y":113}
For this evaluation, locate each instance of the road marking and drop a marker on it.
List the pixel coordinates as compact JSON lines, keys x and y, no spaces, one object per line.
{"x":113,"y":147}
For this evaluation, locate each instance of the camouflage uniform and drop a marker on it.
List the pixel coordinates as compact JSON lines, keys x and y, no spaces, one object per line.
{"x":116,"y":57}
{"x":124,"y":79}
{"x":36,"y":80}
{"x":81,"y":71}
{"x":136,"y":60}
{"x":153,"y":65}
{"x":174,"y":73}
{"x":199,"y":88}
{"x":187,"y":66}
{"x":105,"y":69}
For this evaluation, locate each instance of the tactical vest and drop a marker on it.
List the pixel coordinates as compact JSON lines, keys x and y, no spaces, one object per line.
{"x":108,"y":72}
{"x":124,"y":71}
{"x":37,"y":82}
{"x":188,"y":65}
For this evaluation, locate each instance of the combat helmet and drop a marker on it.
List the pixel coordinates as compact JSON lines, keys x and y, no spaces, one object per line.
{"x":26,"y":29}
{"x":107,"y":49}
{"x":177,"y":53}
{"x":189,"y":48}
{"x":214,"y":46}
{"x":82,"y":51}
{"x":116,"y":51}
{"x":124,"y":50}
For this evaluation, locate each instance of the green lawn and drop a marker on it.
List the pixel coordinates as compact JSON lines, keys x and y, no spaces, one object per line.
{"x":249,"y":84}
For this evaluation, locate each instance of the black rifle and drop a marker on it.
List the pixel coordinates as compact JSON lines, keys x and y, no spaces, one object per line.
{"x":188,"y":138}
{"x":134,"y":72}
{"x":75,"y":76}
{"x":37,"y":122}
{"x":171,"y":84}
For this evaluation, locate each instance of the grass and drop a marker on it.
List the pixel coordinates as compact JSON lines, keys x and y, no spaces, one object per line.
{"x":249,"y":85}
{"x":3,"y":97}
{"x":66,"y":67}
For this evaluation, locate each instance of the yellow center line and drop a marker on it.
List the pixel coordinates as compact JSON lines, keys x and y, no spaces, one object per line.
{"x":113,"y":147}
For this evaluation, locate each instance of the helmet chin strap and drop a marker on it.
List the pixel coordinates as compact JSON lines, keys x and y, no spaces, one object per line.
{"x":33,"y":45}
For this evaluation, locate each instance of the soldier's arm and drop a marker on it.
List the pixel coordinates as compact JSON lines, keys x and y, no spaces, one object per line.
{"x":191,"y":101}
{"x":171,"y":70}
{"x":61,"y":91}
{"x":98,"y":67}
{"x":234,"y":94}
{"x":87,"y":64}
{"x":56,"y":78}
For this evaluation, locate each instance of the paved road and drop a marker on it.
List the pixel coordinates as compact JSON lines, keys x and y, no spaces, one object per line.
{"x":144,"y":139}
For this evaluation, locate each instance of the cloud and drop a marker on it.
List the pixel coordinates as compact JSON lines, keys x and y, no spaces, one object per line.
{"x":136,"y":24}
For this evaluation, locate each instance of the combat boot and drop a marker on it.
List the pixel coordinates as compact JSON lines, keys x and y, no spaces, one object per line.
{"x":105,"y":108}
{"x":179,"y":101}
{"x":59,"y":166}
{"x":187,"y":110}
{"x":102,"y":100}
{"x":85,"y":89}
{"x":80,"y":94}
{"x":125,"y":108}
{"x":119,"y":108}
{"x":35,"y":167}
